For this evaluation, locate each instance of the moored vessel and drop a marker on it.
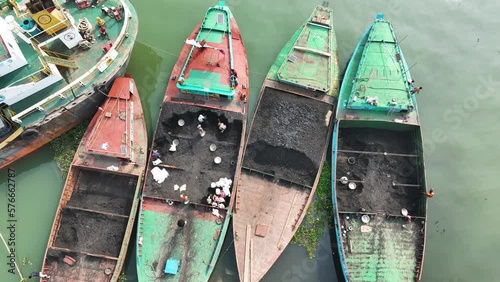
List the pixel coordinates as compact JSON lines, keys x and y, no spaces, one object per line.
{"x":98,"y":206}
{"x":58,"y":59}
{"x":286,"y":146}
{"x":379,"y":187}
{"x":196,"y":155}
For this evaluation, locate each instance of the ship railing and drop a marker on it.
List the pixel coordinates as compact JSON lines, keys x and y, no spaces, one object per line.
{"x":26,"y":78}
{"x":85,"y":78}
{"x":19,"y":15}
{"x":56,"y":54}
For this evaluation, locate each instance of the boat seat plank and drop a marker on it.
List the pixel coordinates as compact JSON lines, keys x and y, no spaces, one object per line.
{"x":315,"y":51}
{"x":83,"y":253}
{"x":97,"y":212}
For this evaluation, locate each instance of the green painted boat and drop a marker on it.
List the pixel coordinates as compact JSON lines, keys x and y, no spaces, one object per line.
{"x":198,"y":141}
{"x":379,"y":185}
{"x":56,"y":63}
{"x":287,"y":145}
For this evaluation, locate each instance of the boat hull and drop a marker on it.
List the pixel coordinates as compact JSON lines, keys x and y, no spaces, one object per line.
{"x":96,"y":214}
{"x":190,"y":233}
{"x":379,"y":156}
{"x":77,"y":99}
{"x":284,"y":154}
{"x":58,"y":122}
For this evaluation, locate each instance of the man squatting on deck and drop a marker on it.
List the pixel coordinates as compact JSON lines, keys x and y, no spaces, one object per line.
{"x":39,"y":274}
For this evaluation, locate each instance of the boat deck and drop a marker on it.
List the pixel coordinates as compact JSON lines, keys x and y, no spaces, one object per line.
{"x":267,"y":222}
{"x":193,"y":160}
{"x":209,"y":68}
{"x":385,"y":249}
{"x":384,"y":182}
{"x":311,"y":62}
{"x":382,"y":73}
{"x":289,"y":134}
{"x":116,"y":120}
{"x":84,"y":59}
{"x":163,"y":239}
{"x":33,"y":65}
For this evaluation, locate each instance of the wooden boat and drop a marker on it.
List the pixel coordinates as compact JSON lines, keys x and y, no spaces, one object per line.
{"x":54,"y":66}
{"x":286,"y":146}
{"x":379,"y":178}
{"x":96,"y":213}
{"x":180,"y":232}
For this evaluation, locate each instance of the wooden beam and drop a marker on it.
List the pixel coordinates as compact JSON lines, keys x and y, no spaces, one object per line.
{"x":246,"y":271}
{"x":94,"y":211}
{"x":378,"y":153}
{"x":312,"y":51}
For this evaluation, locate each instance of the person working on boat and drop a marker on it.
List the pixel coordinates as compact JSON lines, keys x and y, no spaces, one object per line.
{"x":430,"y":194}
{"x":416,"y":90}
{"x":221,"y":126}
{"x":39,"y":274}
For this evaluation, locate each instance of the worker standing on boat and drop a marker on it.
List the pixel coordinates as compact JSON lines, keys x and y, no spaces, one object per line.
{"x":221,"y":126}
{"x":39,"y":274}
{"x":416,"y":90}
{"x":430,"y":194}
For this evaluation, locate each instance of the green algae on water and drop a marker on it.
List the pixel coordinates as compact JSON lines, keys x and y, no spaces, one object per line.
{"x":65,"y":146}
{"x":318,"y":215}
{"x":123,"y":277}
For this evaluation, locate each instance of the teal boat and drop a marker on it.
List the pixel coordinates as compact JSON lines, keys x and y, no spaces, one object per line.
{"x":379,"y":185}
{"x":187,"y":197}
{"x":287,"y":145}
{"x":58,"y":60}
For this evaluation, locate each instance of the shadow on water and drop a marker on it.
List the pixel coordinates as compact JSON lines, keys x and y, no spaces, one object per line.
{"x":148,"y":67}
{"x":294,"y":264}
{"x":38,"y":187}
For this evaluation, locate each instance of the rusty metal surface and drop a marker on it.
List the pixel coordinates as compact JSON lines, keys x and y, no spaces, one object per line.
{"x":99,"y":251}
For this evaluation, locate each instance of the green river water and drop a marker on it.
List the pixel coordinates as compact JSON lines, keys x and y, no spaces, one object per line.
{"x":455,"y":54}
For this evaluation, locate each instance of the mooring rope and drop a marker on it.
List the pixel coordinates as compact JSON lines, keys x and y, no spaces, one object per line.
{"x":15,"y":263}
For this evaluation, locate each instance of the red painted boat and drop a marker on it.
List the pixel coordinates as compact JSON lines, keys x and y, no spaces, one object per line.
{"x":96,"y":213}
{"x":197,"y":146}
